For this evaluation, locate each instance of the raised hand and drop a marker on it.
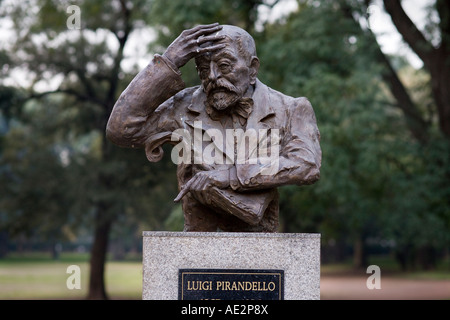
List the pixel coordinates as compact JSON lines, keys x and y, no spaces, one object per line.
{"x":189,"y":43}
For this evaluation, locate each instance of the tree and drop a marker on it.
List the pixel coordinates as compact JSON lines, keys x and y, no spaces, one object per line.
{"x":432,"y":46}
{"x":89,"y":63}
{"x":435,"y":56}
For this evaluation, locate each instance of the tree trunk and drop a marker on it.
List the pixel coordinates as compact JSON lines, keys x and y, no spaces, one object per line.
{"x":97,"y":290}
{"x":414,"y":120}
{"x":359,"y":254}
{"x":436,"y":59}
{"x":440,"y":86}
{"x":3,"y":244}
{"x":427,"y":257}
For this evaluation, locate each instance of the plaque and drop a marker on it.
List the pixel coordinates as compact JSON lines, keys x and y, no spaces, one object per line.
{"x":230,"y":284}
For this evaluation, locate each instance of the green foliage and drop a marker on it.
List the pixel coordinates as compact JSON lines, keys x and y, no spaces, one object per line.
{"x":175,"y":221}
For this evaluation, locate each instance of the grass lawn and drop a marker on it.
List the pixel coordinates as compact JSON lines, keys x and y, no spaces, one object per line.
{"x":388,"y":267}
{"x":36,"y":276}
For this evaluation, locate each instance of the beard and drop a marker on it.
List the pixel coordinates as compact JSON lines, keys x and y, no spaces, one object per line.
{"x":221,"y":100}
{"x":221,"y":95}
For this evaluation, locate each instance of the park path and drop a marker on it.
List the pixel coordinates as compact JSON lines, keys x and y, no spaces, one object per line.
{"x":346,"y":287}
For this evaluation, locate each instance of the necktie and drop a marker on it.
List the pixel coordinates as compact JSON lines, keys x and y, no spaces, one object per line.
{"x":242,"y":109}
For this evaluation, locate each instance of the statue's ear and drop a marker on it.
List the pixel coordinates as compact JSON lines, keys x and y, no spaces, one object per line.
{"x":254,"y":67}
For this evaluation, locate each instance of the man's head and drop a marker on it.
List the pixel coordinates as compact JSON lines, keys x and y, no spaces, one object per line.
{"x":228,"y":73}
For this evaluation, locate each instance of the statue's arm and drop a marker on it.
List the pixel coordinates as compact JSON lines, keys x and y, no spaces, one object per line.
{"x":159,"y":81}
{"x":299,"y":157}
{"x":129,"y":124}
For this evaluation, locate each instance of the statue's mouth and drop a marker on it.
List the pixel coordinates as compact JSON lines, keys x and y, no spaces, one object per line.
{"x":220,"y":89}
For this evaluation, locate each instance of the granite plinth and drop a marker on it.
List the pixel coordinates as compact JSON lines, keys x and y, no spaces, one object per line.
{"x":165,"y":253}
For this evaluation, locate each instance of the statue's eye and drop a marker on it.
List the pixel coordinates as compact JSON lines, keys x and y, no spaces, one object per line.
{"x":204,"y":71}
{"x":224,"y":67}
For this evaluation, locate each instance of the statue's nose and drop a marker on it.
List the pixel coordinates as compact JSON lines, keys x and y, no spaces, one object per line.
{"x":214,"y":72}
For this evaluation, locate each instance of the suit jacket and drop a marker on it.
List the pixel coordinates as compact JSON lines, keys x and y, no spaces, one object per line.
{"x":156,"y":104}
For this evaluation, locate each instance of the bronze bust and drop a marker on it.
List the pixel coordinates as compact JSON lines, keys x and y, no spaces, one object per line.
{"x":235,"y":139}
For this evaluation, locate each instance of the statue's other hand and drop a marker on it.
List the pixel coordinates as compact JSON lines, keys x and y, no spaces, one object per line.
{"x":202,"y":181}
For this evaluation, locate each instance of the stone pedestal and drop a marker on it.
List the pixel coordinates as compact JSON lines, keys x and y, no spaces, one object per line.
{"x":183,"y":265}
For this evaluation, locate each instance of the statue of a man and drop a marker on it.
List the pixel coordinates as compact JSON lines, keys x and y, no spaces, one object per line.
{"x":236,"y":140}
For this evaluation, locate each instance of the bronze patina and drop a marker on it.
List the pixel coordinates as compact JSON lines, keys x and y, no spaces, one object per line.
{"x":235,"y":139}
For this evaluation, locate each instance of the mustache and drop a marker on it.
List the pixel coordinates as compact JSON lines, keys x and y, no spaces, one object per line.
{"x":220,"y":84}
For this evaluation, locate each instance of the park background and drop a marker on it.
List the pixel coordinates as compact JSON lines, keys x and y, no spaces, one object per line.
{"x":69,"y":196}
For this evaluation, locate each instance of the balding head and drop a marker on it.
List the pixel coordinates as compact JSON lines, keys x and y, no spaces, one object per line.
{"x":242,"y":39}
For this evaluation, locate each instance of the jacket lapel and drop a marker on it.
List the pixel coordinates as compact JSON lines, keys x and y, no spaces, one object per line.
{"x":200,"y":120}
{"x":262,"y":117}
{"x":262,"y":111}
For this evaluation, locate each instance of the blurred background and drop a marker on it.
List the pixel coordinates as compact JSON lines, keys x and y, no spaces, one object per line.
{"x":377,"y":74}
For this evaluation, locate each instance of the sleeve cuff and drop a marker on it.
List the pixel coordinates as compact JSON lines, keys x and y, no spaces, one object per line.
{"x":169,"y":63}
